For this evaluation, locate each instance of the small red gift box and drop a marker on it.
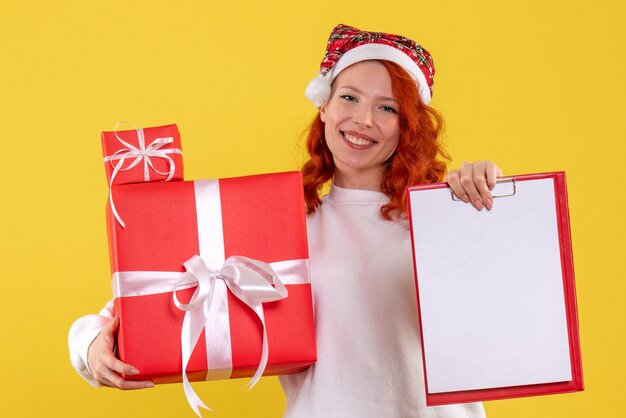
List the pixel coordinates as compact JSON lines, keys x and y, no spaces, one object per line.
{"x":142,"y":155}
{"x":167,"y":223}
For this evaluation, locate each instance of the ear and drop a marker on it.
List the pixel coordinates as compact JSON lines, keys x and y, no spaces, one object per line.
{"x":323,"y":111}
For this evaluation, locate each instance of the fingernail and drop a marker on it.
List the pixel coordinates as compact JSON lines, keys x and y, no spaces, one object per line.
{"x":489,"y":203}
{"x":149,"y":385}
{"x":478,"y":204}
{"x":465,"y":198}
{"x":134,"y":371}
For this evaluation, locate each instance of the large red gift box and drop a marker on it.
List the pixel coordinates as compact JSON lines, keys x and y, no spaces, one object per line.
{"x":262,"y":217}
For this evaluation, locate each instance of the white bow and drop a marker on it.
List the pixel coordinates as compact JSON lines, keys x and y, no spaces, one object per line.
{"x":253,"y":282}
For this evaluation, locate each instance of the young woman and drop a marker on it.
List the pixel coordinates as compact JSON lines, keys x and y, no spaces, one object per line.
{"x":373,"y":136}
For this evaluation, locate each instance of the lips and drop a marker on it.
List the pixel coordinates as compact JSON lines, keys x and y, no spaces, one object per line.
{"x":357,"y":141}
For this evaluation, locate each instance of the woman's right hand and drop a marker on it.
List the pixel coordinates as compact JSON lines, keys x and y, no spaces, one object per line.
{"x":473,"y":182}
{"x":105,"y":367}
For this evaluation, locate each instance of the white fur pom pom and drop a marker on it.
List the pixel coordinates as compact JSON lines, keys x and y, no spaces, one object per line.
{"x":318,"y":90}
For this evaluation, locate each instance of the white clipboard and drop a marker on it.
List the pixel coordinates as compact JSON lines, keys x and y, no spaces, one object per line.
{"x":495,"y":290}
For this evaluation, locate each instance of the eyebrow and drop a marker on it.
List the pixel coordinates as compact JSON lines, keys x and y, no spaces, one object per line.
{"x":385,"y":98}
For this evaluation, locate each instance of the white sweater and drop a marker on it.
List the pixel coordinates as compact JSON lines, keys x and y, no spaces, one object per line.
{"x":369,"y":354}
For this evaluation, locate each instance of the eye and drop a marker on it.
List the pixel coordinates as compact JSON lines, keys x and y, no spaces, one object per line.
{"x":389,"y":109}
{"x":348,"y":97}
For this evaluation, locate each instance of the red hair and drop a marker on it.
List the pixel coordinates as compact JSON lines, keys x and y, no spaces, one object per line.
{"x":416,"y":160}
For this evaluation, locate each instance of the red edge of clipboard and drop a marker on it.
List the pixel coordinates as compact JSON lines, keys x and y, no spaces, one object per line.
{"x":569,"y":290}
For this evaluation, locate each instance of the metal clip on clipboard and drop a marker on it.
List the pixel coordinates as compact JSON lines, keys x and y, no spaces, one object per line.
{"x":502,"y":181}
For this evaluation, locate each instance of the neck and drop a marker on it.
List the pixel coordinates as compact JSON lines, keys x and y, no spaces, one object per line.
{"x":362,"y":180}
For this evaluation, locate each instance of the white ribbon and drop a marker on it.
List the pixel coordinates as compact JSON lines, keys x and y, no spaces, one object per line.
{"x":145,"y":283}
{"x":142,"y":153}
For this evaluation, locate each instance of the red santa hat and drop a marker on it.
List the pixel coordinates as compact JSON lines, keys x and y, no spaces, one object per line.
{"x":348,"y":45}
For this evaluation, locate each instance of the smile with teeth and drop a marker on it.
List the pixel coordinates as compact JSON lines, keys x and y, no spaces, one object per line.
{"x":358,"y":141}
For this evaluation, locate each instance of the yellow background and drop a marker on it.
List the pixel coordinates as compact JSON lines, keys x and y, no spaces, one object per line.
{"x":534,"y":85}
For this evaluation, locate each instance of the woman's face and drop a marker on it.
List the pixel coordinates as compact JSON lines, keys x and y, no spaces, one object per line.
{"x":362,"y":125}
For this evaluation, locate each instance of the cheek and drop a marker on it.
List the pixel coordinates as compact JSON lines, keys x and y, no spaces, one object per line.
{"x":330,"y":126}
{"x":389,"y":151}
{"x":392,"y":133}
{"x":393,"y":139}
{"x":328,"y":138}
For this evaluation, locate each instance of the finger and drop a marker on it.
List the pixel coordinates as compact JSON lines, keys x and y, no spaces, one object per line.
{"x":112,"y":378}
{"x":117,"y":381}
{"x":135,"y":384}
{"x":120,"y":367}
{"x":493,"y":172}
{"x":111,"y":326}
{"x":108,"y":332}
{"x":481,"y":182}
{"x":468,"y":182}
{"x":453,"y":181}
{"x":105,"y":382}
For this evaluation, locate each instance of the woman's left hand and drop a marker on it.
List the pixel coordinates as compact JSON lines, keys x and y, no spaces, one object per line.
{"x":473,"y":182}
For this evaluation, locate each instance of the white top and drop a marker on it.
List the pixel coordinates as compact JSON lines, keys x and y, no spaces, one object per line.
{"x":368,"y":344}
{"x":369,"y":354}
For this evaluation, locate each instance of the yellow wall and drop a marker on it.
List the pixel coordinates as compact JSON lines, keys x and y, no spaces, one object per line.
{"x":533,"y":85}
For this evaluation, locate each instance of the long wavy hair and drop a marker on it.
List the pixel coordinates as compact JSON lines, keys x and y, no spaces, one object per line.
{"x":418,"y":159}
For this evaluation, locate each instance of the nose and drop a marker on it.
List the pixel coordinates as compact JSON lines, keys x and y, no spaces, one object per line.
{"x":363,"y":116}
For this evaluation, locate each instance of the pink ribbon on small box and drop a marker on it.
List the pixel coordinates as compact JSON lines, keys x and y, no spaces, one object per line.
{"x":252,"y":281}
{"x":140,"y":153}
